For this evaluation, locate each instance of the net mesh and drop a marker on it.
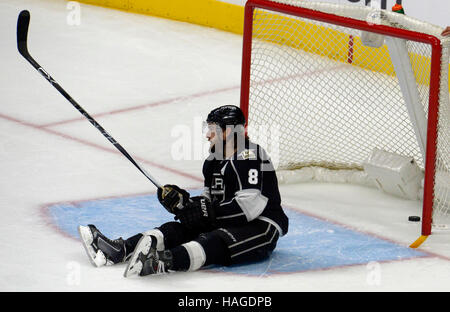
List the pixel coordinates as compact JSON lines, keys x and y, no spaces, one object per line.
{"x":320,"y":97}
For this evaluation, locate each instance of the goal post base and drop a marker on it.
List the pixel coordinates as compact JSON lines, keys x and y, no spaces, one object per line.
{"x":418,"y":241}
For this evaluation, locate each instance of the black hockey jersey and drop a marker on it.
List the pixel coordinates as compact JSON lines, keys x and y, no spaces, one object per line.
{"x":243,"y":188}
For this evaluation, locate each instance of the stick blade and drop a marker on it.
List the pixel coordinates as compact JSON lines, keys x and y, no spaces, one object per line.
{"x":23,"y":22}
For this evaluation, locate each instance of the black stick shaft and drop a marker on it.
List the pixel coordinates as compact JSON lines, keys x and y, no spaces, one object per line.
{"x":22,"y":34}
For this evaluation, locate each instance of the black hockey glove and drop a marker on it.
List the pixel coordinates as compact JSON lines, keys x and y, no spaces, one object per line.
{"x":198,"y":213}
{"x":172,"y":197}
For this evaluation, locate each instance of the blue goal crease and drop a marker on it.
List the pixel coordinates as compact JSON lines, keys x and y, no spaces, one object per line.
{"x":310,"y":244}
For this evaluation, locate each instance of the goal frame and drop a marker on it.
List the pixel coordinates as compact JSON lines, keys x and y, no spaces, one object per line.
{"x":436,"y":54}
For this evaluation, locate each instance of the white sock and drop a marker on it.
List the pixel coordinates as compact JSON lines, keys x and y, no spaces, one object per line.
{"x":196,"y":254}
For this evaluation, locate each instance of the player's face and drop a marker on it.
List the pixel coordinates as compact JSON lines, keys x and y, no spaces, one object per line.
{"x":213,"y":133}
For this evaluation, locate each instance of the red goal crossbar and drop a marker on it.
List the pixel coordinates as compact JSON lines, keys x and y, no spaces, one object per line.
{"x":436,"y":54}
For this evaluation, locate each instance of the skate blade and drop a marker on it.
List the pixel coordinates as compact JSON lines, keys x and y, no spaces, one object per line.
{"x":86,"y":239}
{"x":134,"y":266}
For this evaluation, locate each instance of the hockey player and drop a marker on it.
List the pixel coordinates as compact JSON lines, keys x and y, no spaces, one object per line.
{"x":238,"y":218}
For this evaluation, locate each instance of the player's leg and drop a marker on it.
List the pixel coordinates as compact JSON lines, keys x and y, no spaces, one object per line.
{"x":104,"y":251}
{"x":207,"y":248}
{"x":252,"y":242}
{"x":249,"y":243}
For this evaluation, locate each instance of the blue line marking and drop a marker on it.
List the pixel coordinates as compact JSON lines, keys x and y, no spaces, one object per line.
{"x":311,"y":243}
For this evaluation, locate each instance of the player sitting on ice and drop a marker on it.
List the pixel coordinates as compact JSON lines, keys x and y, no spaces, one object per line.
{"x":238,"y":218}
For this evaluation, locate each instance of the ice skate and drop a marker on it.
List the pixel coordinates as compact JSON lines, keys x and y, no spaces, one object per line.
{"x":100,"y":249}
{"x":147,"y":260}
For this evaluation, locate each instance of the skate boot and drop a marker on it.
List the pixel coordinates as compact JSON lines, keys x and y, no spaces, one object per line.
{"x":147,"y":260}
{"x":100,"y":249}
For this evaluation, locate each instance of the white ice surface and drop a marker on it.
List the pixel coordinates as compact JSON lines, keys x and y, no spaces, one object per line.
{"x":164,"y":74}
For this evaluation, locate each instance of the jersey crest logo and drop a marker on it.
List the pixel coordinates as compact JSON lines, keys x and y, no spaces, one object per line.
{"x":217,"y":187}
{"x":248,"y":154}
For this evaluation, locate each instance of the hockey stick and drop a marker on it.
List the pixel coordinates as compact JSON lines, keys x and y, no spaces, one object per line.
{"x":22,"y":34}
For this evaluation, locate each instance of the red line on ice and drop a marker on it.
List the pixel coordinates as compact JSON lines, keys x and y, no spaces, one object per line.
{"x":105,"y":149}
{"x":191,"y":96}
{"x":138,"y":107}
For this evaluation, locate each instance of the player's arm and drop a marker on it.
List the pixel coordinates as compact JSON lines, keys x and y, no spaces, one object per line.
{"x":248,"y":203}
{"x":201,"y":214}
{"x":198,"y":212}
{"x":207,"y":176}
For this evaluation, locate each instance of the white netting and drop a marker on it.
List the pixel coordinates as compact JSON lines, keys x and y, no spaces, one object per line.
{"x":327,"y":100}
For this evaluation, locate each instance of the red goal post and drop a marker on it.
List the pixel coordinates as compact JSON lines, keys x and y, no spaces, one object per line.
{"x":291,"y":12}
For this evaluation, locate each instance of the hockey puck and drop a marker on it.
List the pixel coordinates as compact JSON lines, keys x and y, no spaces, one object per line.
{"x":414,"y":218}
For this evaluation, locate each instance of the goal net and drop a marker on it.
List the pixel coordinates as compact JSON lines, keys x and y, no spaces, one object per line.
{"x":325,"y":85}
